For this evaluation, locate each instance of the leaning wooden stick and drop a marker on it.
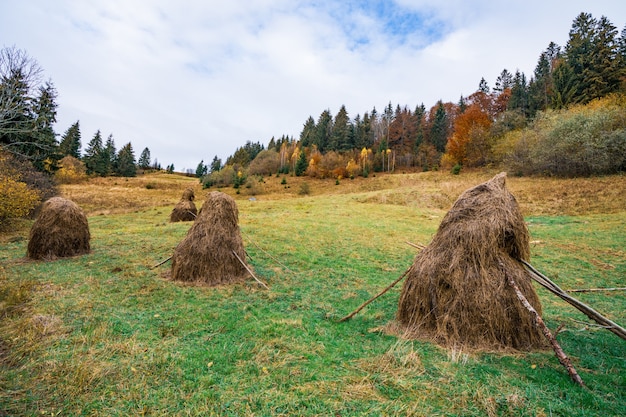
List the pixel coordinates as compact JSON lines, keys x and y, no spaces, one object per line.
{"x":565,"y":361}
{"x":249,"y":270}
{"x":588,"y":311}
{"x":596,"y":289}
{"x":161,"y":263}
{"x":349,"y":316}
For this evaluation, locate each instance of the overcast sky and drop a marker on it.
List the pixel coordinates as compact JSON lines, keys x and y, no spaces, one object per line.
{"x":191,"y":79}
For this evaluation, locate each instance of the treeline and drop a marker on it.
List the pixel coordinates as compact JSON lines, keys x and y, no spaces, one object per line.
{"x":32,"y":160}
{"x":491,"y":126}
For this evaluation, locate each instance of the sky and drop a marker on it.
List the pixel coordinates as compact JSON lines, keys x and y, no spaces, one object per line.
{"x":195,"y":79}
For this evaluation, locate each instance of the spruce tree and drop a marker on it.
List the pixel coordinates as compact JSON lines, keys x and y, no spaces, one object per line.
{"x":439,"y":128}
{"x":302,"y":163}
{"x":341,"y":137}
{"x":125,"y":159}
{"x":70,"y":141}
{"x":93,"y":156}
{"x":144,"y":159}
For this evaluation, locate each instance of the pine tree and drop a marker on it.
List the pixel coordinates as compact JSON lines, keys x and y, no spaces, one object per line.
{"x":125,"y":159}
{"x":70,"y":141}
{"x":519,"y":94}
{"x":144,"y":159}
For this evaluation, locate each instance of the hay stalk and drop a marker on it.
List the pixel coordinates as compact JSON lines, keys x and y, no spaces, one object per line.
{"x":588,"y":311}
{"x":563,"y":358}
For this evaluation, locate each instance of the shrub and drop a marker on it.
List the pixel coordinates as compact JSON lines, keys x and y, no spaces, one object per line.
{"x":582,"y":141}
{"x":71,"y":171}
{"x":456,"y":170}
{"x":265,"y":163}
{"x":305,"y":189}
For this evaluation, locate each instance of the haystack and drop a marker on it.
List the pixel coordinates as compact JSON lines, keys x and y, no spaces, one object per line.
{"x":206,"y":255}
{"x":60,"y":230}
{"x":185,"y":210}
{"x":456,"y":291}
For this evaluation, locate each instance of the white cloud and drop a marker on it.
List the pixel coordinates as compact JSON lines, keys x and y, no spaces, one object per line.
{"x":194,"y":79}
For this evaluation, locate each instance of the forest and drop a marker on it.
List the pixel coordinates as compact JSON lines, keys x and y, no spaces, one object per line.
{"x":568,"y":119}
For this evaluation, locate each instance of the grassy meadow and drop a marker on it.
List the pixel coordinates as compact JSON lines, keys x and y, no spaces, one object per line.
{"x":107,"y":334}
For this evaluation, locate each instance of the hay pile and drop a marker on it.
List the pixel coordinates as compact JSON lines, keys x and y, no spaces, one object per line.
{"x":185,"y":210}
{"x":205,"y":255}
{"x":60,"y":230}
{"x":456,"y":291}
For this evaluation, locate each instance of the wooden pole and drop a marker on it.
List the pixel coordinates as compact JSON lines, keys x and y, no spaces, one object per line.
{"x":249,"y":270}
{"x":588,"y":311}
{"x":390,"y":286}
{"x":596,"y":289}
{"x":161,"y":263}
{"x":565,"y":361}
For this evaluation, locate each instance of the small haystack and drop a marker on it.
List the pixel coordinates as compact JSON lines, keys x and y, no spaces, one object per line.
{"x":206,"y":254}
{"x":456,"y":291}
{"x":185,"y":210}
{"x":60,"y":230}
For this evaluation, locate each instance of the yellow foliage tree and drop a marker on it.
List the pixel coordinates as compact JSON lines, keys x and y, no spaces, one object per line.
{"x":16,"y":198}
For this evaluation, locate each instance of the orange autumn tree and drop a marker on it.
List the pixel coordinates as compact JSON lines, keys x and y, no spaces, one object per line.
{"x":470,"y":130}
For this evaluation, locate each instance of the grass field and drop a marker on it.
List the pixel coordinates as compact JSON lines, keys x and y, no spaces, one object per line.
{"x":107,"y":335}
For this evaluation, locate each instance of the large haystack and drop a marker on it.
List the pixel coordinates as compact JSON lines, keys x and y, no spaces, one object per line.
{"x":206,"y":254}
{"x":60,"y":230}
{"x":456,"y":292}
{"x":185,"y":210}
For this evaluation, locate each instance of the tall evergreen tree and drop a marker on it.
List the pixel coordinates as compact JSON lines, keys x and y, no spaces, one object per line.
{"x":126,"y":166}
{"x":144,"y":159}
{"x":519,"y":94}
{"x":483,"y":87}
{"x":216,"y":164}
{"x":439,"y":128}
{"x":302,"y":164}
{"x":307,"y":136}
{"x":70,"y":141}
{"x":504,"y":81}
{"x":201,"y":169}
{"x":45,"y":112}
{"x":341,"y":138}
{"x":94,"y":161}
{"x":109,"y":156}
{"x":323,"y":131}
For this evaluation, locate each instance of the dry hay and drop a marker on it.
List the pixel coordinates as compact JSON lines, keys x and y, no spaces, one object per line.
{"x":456,"y":291}
{"x":205,"y":255}
{"x":60,"y":230}
{"x":185,"y":210}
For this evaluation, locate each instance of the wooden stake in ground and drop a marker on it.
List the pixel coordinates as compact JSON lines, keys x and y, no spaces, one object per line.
{"x":161,"y":263}
{"x":565,"y":361}
{"x":349,"y":316}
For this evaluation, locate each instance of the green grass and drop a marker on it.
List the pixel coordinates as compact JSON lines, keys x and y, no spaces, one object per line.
{"x":107,"y":335}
